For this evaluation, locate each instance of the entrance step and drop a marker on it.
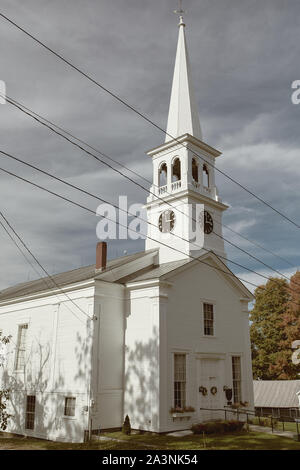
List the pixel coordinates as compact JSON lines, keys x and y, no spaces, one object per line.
{"x":180,"y":433}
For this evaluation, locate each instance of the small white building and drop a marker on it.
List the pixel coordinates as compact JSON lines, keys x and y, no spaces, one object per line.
{"x":156,"y":335}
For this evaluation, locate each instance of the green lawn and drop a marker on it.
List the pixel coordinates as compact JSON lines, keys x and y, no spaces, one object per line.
{"x":278,"y":425}
{"x":239,"y":441}
{"x":287,"y":427}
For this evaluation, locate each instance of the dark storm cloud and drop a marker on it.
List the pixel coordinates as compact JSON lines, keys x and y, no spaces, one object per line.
{"x":244,"y":56}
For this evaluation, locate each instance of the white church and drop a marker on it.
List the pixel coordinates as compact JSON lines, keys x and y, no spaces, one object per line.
{"x":160,"y":335}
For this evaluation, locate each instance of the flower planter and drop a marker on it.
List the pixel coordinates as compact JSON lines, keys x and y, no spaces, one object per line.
{"x":182,"y":416}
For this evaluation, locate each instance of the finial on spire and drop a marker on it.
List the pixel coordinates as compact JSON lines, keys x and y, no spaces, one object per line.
{"x":183,"y":115}
{"x":180,"y":12}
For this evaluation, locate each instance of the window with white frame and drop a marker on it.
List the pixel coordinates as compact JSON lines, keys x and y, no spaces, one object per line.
{"x":70,"y":403}
{"x":21,"y":347}
{"x":208,"y":319}
{"x":236,"y":379}
{"x":30,"y":412}
{"x":179,"y":380}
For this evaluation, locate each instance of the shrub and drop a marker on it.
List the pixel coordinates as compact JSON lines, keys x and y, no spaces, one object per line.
{"x":235,"y":426}
{"x":265,"y":421}
{"x":218,"y":427}
{"x":126,"y":429}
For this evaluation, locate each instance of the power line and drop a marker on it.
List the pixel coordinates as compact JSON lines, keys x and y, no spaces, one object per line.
{"x":126,"y":226}
{"x":115,"y":96}
{"x":20,"y":249}
{"x":258,"y":245}
{"x":136,"y":183}
{"x":139,"y":113}
{"x":107,"y":202}
{"x":128,"y":213}
{"x":151,"y":238}
{"x":44,"y":279}
{"x":20,"y":105}
{"x":118,"y":223}
{"x":41,"y":266}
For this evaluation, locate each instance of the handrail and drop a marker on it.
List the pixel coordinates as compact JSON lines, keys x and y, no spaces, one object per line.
{"x":247,"y":412}
{"x":240,"y":411}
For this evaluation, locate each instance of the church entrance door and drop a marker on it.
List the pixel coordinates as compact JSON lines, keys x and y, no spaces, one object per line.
{"x":209,"y":391}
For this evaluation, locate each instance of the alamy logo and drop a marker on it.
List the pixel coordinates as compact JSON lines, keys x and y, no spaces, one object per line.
{"x":2,"y":92}
{"x":123,"y":222}
{"x":296,"y":94}
{"x":296,"y":354}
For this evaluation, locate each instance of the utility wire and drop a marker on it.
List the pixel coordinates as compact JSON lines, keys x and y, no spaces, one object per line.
{"x":132,"y":230}
{"x":44,"y":279}
{"x":116,"y":207}
{"x":134,"y":182}
{"x":20,"y":250}
{"x":118,"y":223}
{"x":139,"y":113}
{"x":41,"y":266}
{"x":128,"y":213}
{"x":140,"y":176}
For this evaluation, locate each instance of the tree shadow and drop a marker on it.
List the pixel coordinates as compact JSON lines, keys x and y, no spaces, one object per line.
{"x":45,"y":378}
{"x":141,"y":383}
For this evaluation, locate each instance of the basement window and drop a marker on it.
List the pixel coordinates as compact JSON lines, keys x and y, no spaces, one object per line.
{"x":70,"y":403}
{"x":30,"y":412}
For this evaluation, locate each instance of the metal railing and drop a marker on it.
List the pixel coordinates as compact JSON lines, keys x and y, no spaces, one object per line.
{"x":273,"y":419}
{"x":227,"y":411}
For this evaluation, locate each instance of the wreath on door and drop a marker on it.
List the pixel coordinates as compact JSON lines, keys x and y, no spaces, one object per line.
{"x":213,"y":390}
{"x":203,"y":390}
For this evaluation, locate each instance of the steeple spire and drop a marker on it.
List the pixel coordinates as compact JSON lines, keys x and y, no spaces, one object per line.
{"x":183,"y":113}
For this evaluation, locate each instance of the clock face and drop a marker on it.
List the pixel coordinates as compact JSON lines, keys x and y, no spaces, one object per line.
{"x":206,"y":222}
{"x":166,"y":221}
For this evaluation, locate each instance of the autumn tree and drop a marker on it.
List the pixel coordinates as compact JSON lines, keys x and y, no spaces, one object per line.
{"x":290,"y":324}
{"x":267,"y":332}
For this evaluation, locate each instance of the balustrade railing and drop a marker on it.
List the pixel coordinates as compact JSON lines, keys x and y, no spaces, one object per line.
{"x":176,"y":185}
{"x":163,"y":189}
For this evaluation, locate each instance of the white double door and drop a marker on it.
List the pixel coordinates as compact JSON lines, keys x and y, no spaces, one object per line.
{"x":209,"y":378}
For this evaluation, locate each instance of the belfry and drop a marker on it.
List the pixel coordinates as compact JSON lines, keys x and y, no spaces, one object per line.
{"x":183,"y":208}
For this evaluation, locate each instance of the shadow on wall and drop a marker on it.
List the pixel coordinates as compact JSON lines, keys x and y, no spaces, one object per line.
{"x":141,"y":383}
{"x":50,"y":389}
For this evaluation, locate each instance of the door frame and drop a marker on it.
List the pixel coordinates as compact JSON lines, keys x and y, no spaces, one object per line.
{"x":218,"y":357}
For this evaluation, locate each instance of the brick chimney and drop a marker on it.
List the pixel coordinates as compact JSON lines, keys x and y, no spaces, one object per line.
{"x":101,"y":255}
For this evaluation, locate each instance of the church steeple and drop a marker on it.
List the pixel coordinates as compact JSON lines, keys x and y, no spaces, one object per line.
{"x":183,"y":199}
{"x":183,"y":111}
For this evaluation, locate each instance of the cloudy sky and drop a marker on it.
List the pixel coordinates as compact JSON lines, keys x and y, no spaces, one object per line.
{"x":244,"y":54}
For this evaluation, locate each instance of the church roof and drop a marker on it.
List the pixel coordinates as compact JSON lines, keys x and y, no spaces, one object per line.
{"x":123,"y":270}
{"x":63,"y":279}
{"x":276,"y":393}
{"x":183,"y":111}
{"x":154,"y":272}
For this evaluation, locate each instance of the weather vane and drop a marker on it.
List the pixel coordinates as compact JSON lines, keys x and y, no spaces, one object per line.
{"x":180,"y":11}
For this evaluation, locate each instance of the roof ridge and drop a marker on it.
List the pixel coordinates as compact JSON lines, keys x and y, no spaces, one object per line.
{"x":65,"y":278}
